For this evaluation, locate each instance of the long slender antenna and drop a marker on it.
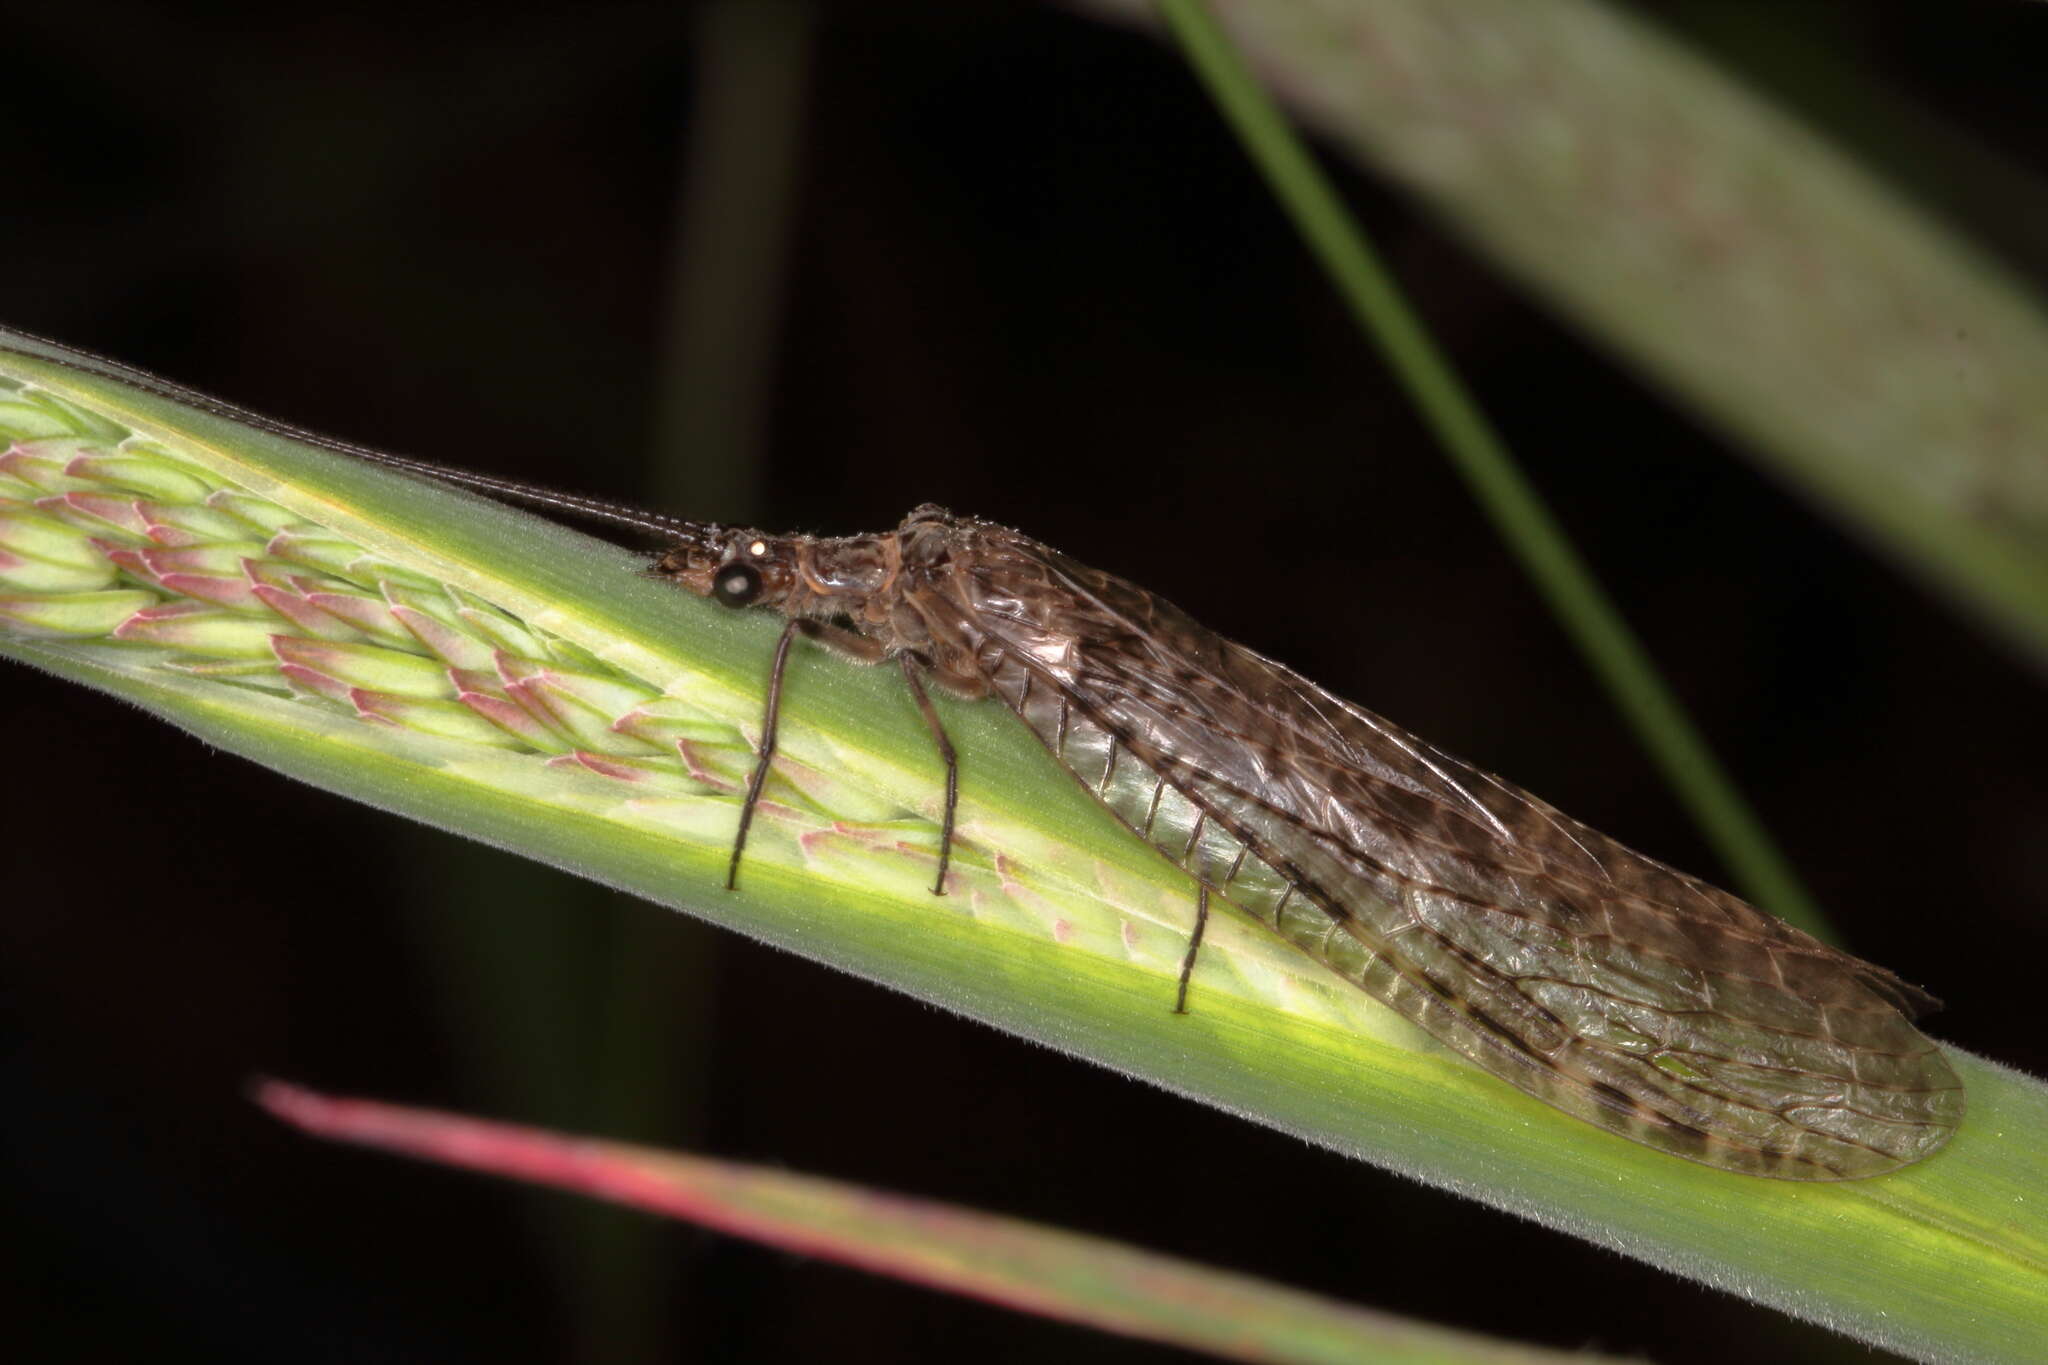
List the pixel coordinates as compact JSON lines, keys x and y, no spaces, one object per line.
{"x":654,"y":523}
{"x":578,"y":504}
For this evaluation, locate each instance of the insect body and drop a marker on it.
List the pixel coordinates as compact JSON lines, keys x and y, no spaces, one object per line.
{"x":1596,"y":979}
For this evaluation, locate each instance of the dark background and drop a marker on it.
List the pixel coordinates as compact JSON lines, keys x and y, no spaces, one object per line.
{"x":1026,"y":274}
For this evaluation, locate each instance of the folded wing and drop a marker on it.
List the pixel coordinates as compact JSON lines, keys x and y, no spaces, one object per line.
{"x":1595,"y":978}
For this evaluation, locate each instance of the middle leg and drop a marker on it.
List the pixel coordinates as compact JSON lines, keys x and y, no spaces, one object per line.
{"x":947,"y":756}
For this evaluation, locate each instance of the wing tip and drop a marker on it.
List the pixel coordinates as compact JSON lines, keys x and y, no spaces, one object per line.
{"x":1901,"y":994}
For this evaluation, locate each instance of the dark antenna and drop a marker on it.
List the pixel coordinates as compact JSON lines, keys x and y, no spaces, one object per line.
{"x":577,"y":504}
{"x":598,"y":509}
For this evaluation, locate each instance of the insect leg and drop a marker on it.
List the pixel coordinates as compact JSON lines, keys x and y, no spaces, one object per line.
{"x":1187,"y":964}
{"x":947,"y":756}
{"x":769,"y":717}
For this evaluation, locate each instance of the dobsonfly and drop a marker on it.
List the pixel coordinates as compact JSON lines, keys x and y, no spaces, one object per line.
{"x":1607,"y":984}
{"x":1596,"y":979}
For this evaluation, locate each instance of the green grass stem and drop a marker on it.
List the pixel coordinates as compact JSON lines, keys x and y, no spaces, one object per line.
{"x":1061,"y":928}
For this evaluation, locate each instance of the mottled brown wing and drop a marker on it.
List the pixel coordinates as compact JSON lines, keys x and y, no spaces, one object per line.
{"x":1595,"y":978}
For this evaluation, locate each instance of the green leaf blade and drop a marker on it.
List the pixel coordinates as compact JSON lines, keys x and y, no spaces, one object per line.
{"x":1060,"y":928}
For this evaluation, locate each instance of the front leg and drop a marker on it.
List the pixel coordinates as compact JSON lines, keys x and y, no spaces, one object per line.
{"x":770,"y":716}
{"x":861,"y":649}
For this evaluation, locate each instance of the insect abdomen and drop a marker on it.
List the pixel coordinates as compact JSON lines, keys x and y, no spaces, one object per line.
{"x":1156,"y":810}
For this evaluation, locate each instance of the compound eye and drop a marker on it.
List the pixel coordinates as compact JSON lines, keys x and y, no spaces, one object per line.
{"x":737,"y":585}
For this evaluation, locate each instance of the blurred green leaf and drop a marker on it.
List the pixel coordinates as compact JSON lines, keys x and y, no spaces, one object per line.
{"x":1851,"y":343}
{"x":1025,"y":1266}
